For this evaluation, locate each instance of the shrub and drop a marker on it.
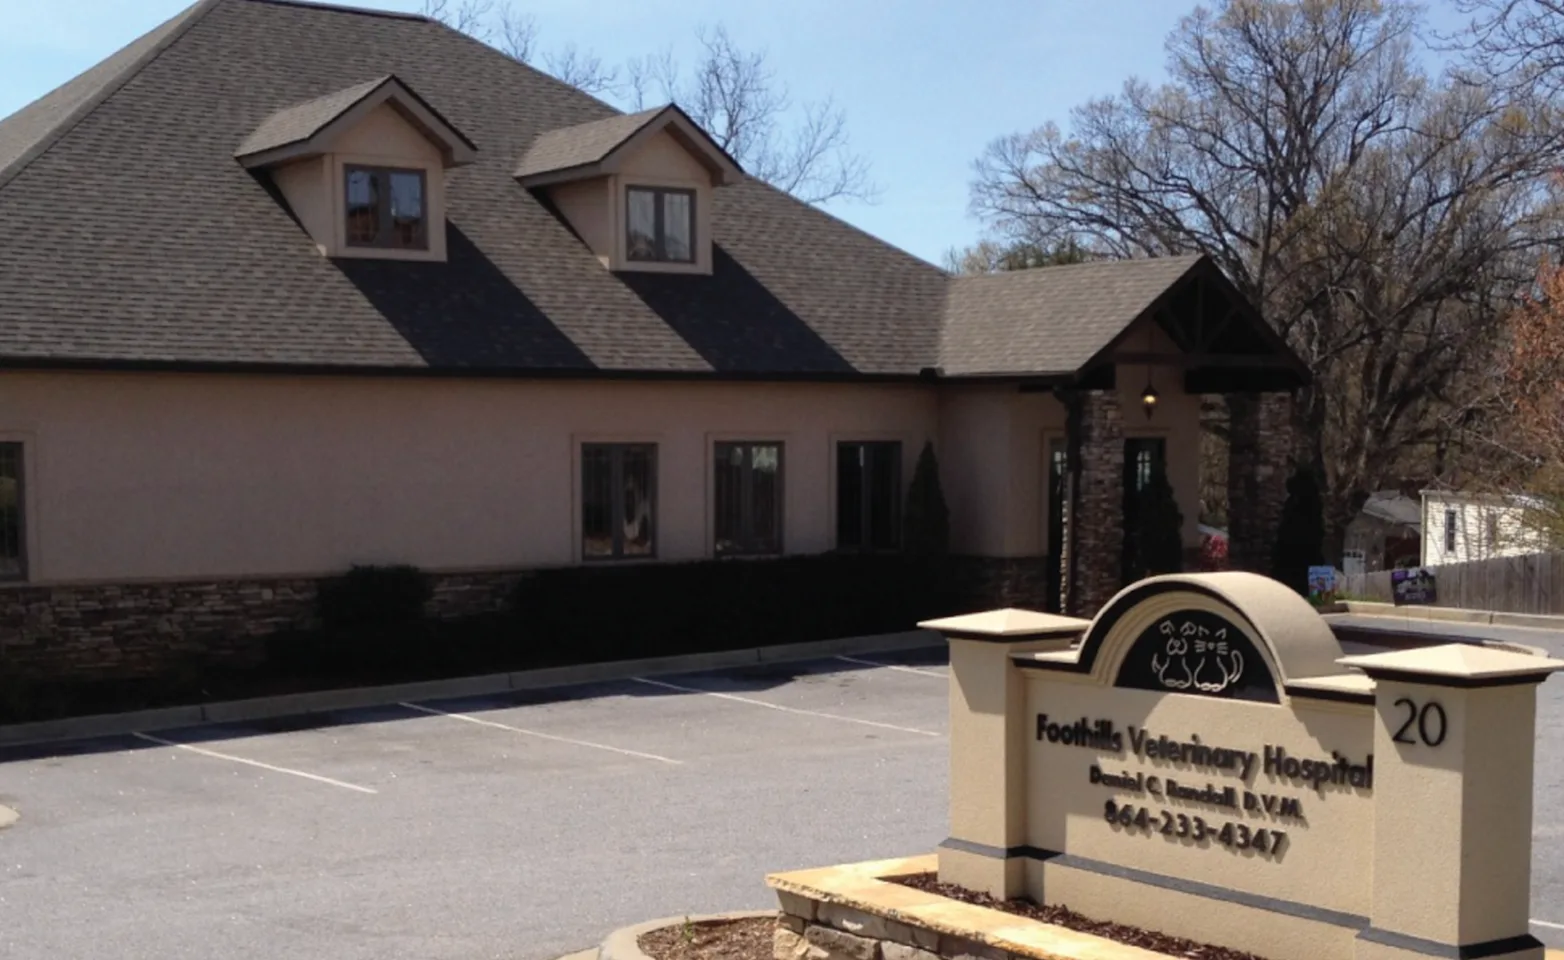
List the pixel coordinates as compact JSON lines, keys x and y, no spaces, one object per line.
{"x":1300,"y":536}
{"x":604,"y":612}
{"x":1156,"y":545}
{"x":374,"y":598}
{"x":926,"y":520}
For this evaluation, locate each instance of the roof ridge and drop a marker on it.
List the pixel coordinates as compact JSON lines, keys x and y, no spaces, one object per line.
{"x":1060,"y":267}
{"x":188,"y":18}
{"x":344,"y":8}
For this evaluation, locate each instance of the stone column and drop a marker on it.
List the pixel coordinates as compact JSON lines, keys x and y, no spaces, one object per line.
{"x":988,"y":740}
{"x":1453,"y":763}
{"x":1259,"y":459}
{"x":1096,"y":523}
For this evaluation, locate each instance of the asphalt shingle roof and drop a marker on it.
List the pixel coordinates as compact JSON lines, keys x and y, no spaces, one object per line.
{"x":1048,"y":320}
{"x":129,"y":233}
{"x":581,"y":144}
{"x":302,"y":121}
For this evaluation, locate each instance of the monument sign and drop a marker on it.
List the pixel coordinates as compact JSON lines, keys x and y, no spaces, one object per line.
{"x":1202,"y":760}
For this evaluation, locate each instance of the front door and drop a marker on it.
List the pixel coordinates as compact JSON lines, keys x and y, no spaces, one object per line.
{"x":1144,"y":458}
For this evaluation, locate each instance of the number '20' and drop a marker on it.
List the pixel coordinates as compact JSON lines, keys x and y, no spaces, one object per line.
{"x":1430,"y":720}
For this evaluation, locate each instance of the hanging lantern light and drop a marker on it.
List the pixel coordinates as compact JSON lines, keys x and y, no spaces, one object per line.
{"x":1148,"y":396}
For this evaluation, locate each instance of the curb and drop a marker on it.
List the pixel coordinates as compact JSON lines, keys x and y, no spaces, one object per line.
{"x":624,"y":943}
{"x":1389,"y":611}
{"x":323,"y":701}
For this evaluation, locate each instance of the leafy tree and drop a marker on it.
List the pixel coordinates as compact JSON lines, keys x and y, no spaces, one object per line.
{"x":1156,"y":545}
{"x":926,"y":520}
{"x":1300,"y":535}
{"x":1381,"y":216}
{"x":1524,"y":454}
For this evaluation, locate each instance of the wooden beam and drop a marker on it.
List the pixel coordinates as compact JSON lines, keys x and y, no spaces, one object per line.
{"x":1191,"y":361}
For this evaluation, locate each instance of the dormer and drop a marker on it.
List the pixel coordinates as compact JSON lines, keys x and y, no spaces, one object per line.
{"x":363,"y":169}
{"x":637,"y":189}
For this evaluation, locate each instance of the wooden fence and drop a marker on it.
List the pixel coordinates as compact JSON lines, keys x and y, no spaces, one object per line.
{"x":1533,"y":583}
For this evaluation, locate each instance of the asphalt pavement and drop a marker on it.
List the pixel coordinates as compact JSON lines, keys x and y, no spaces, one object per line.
{"x":521,"y":826}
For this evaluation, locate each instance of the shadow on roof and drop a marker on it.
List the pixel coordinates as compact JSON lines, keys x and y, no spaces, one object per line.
{"x":464,"y":312}
{"x":734,"y":322}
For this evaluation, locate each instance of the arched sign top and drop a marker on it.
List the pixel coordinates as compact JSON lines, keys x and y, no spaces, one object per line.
{"x":1229,"y":635}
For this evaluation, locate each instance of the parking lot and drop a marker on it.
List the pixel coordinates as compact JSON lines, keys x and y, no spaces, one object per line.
{"x":519,"y":827}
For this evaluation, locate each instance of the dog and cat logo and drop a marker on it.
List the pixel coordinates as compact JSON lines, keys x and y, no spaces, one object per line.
{"x":1196,"y":657}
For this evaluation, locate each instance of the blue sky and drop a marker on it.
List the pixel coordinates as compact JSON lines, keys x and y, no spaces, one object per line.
{"x":925,"y":83}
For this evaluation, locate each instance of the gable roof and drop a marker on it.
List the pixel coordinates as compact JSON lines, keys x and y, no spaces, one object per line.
{"x":202,"y":264}
{"x":584,"y":143}
{"x":300,"y":122}
{"x":299,"y":129}
{"x":1049,"y":320}
{"x":588,"y":149}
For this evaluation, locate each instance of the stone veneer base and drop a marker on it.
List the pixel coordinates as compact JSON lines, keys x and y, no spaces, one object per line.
{"x":147,"y":629}
{"x":854,"y":911}
{"x":117,"y":631}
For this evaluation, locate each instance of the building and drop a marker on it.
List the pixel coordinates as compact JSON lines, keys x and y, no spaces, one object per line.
{"x":1386,"y":534}
{"x":1458,"y":527}
{"x":287,"y":287}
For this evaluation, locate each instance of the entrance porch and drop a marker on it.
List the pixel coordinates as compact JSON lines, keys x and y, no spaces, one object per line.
{"x":1047,"y":467}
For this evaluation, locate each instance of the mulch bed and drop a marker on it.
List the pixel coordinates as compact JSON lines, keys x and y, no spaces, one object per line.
{"x":748,"y":939}
{"x":1070,"y":920}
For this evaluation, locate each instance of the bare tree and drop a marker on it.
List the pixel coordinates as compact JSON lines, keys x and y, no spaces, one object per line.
{"x":732,"y":93}
{"x":1518,"y":43}
{"x":517,"y":34}
{"x":582,"y":70}
{"x":1381,"y":217}
{"x":472,"y":17}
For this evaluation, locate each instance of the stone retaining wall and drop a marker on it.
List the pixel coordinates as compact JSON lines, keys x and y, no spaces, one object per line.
{"x":815,"y":930}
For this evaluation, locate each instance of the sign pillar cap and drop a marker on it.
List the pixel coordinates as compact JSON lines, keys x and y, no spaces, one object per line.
{"x":1456,"y":665}
{"x":1008,"y":625}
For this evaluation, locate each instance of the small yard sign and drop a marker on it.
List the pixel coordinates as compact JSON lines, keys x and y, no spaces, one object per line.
{"x":1413,"y":586}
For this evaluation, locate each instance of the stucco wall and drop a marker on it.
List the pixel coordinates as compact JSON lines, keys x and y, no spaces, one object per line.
{"x":193,"y":475}
{"x":587,"y":205}
{"x":994,"y":455}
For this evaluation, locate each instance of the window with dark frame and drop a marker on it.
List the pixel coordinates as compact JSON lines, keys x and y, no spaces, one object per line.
{"x":387,"y":208}
{"x":13,"y":543}
{"x":660,"y":225}
{"x":1449,"y":531}
{"x":618,"y":501}
{"x":747,"y":498}
{"x":868,"y":495}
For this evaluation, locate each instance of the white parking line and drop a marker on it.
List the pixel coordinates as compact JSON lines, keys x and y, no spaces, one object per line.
{"x":254,"y":763}
{"x":775,"y":706}
{"x":541,"y":736}
{"x":896,"y":666}
{"x":1550,"y":926}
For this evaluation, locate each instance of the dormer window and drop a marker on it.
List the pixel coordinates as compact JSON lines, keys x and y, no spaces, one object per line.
{"x":661,"y":225}
{"x":362,"y":169}
{"x":385,"y":208}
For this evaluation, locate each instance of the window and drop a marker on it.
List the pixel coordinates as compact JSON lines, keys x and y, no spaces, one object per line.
{"x":13,"y":565}
{"x":868,"y":496}
{"x":385,"y":208}
{"x":618,"y":500}
{"x":1449,"y":531}
{"x":747,"y":489}
{"x":660,"y":225}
